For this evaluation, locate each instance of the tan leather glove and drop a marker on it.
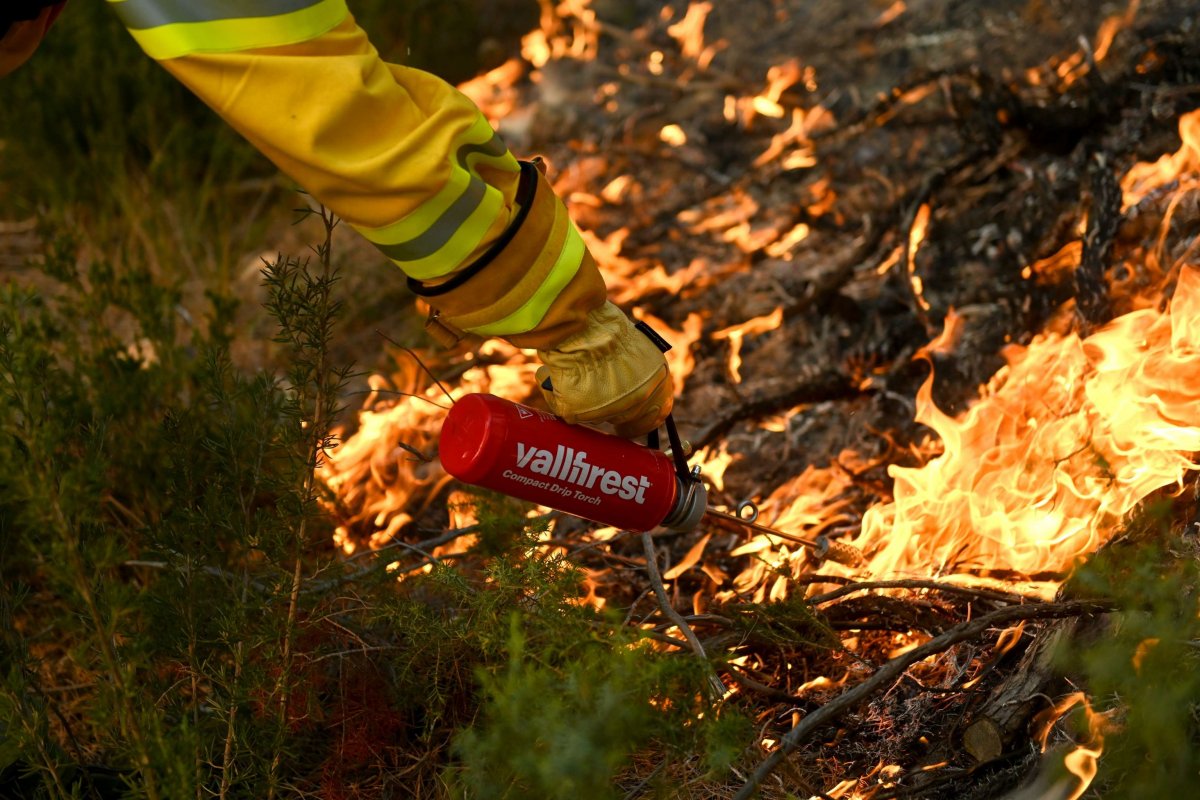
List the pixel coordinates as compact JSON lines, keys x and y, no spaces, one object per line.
{"x":608,"y":372}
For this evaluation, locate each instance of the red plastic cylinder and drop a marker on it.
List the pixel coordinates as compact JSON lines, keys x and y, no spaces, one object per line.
{"x":535,"y":456}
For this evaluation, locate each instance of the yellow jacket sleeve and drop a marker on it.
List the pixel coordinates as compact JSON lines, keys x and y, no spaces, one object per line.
{"x":397,"y":153}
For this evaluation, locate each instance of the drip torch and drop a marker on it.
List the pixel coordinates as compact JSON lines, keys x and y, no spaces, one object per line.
{"x":532,"y":455}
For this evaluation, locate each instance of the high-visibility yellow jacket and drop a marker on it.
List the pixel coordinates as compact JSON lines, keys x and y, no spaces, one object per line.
{"x":399,"y":154}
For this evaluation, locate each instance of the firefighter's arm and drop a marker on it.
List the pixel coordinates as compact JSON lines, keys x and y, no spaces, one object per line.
{"x":412,"y":164}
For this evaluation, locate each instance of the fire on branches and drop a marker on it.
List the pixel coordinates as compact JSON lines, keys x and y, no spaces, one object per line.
{"x":956,"y":326}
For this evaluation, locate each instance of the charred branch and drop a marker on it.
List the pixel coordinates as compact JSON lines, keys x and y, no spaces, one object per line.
{"x":813,"y":386}
{"x":1005,"y":710}
{"x":892,"y":670}
{"x":1092,"y":306}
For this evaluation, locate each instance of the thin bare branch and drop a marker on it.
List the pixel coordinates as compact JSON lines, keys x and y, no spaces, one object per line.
{"x":893,"y":669}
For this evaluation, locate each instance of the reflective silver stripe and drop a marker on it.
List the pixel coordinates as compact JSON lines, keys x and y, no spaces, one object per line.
{"x":440,"y":232}
{"x":443,"y":229}
{"x":144,"y":14}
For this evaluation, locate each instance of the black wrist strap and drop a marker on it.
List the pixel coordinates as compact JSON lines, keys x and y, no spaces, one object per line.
{"x":652,"y":438}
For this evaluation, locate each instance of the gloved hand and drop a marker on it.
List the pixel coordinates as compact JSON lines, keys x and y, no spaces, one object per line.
{"x":608,"y":372}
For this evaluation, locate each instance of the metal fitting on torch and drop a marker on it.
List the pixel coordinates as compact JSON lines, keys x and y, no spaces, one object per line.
{"x":691,"y":503}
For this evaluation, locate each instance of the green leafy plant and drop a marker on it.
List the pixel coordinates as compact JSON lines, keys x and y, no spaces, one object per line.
{"x":1143,"y":672}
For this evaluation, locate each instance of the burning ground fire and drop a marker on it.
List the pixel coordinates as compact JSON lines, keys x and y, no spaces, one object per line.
{"x":1059,"y":447}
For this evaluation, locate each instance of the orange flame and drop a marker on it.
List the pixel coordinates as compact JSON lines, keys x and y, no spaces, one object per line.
{"x":1077,"y":64}
{"x":915,"y":237}
{"x":552,"y":40}
{"x":1082,"y":761}
{"x":494,"y":91}
{"x":1112,"y":26}
{"x":385,"y":473}
{"x":891,"y":14}
{"x":1182,"y":165}
{"x":689,"y":33}
{"x":734,"y":334}
{"x":1067,"y":439}
{"x":780,"y":78}
{"x":804,"y":124}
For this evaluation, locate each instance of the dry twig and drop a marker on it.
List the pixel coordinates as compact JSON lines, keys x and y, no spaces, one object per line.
{"x":893,"y":669}
{"x":664,"y":602}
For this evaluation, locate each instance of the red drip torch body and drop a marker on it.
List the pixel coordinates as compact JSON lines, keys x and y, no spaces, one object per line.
{"x":497,"y":444}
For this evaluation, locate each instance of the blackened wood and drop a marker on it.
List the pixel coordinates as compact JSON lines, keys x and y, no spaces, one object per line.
{"x":1004,"y":715}
{"x":812,"y":387}
{"x":1092,"y":306}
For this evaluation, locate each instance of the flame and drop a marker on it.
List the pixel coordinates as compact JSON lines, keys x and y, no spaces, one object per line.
{"x":1067,"y":439}
{"x":786,"y":244}
{"x":797,"y":136}
{"x":734,"y":334}
{"x":1082,"y":761}
{"x":385,"y":473}
{"x":680,"y":358}
{"x":1056,"y":267}
{"x":891,"y":13}
{"x":1144,"y":178}
{"x":673,"y":135}
{"x":810,"y":504}
{"x":494,"y":91}
{"x":780,"y":78}
{"x":1071,"y":68}
{"x":1111,"y":27}
{"x":915,"y":237}
{"x":1061,"y":444}
{"x":615,"y":190}
{"x":823,"y":198}
{"x":689,"y":33}
{"x":713,"y":461}
{"x":553,"y":41}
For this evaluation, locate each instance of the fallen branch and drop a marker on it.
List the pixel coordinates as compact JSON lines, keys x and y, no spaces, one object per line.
{"x":919,"y":583}
{"x":825,"y":385}
{"x":893,"y":669}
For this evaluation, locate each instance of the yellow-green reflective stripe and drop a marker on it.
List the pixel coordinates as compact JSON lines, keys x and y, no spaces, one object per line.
{"x":464,"y":241}
{"x":533,"y":311}
{"x":431,"y":224}
{"x":435,"y":237}
{"x":442,"y":230}
{"x":242,"y":33}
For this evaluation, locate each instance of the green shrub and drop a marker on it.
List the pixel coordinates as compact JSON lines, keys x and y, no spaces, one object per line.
{"x":175,"y":623}
{"x":1144,"y":671}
